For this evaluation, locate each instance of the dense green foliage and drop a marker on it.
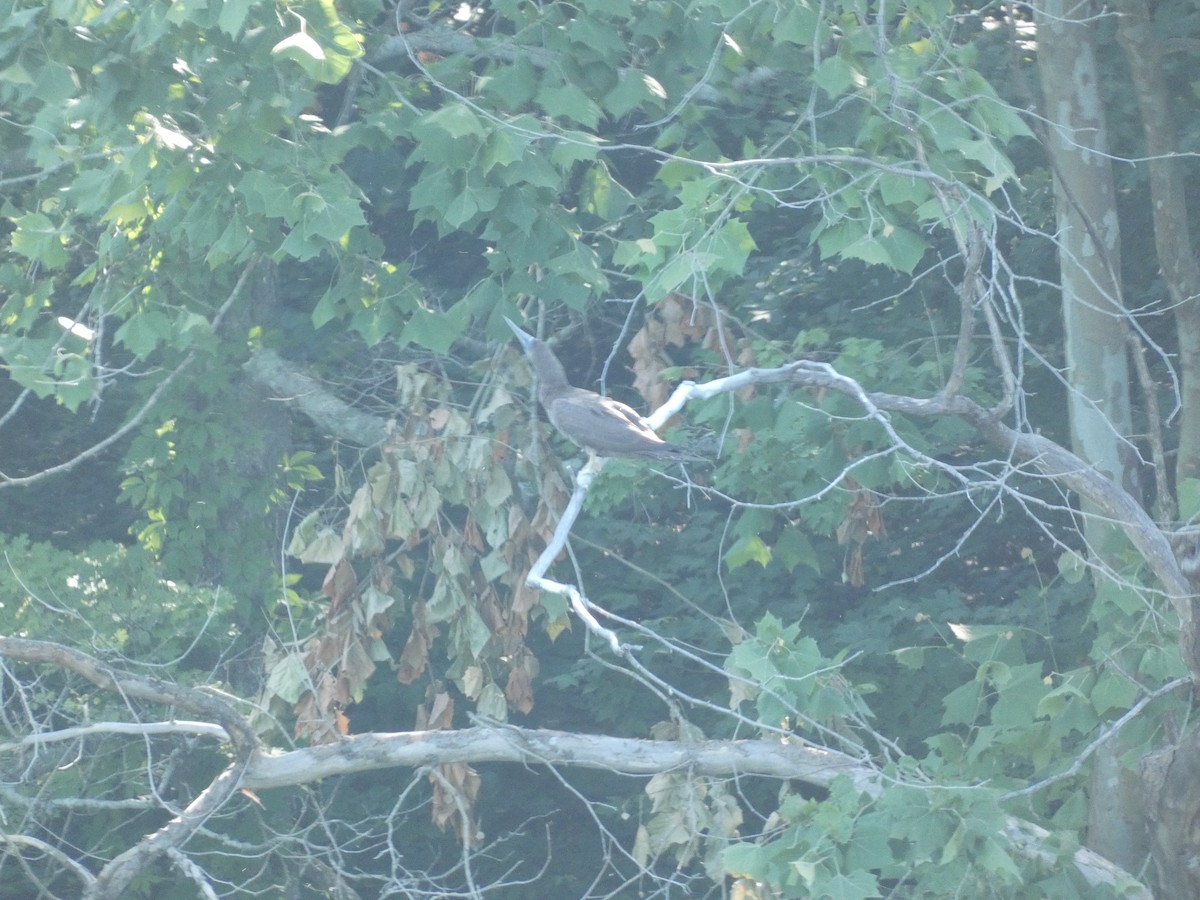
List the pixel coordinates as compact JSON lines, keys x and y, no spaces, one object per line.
{"x":354,"y":196}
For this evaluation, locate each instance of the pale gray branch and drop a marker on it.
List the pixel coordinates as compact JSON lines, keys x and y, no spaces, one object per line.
{"x":24,"y":840}
{"x":136,"y":728}
{"x":1049,"y":458}
{"x":365,"y":752}
{"x":771,"y":759}
{"x":313,"y":399}
{"x":257,"y":769}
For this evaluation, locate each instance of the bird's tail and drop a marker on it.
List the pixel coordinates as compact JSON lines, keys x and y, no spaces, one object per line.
{"x":672,"y":453}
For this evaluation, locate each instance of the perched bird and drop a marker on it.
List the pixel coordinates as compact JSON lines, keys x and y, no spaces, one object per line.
{"x":600,"y":425}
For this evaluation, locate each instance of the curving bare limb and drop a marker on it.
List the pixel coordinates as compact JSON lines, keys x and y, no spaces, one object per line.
{"x":116,"y":876}
{"x":259,"y":769}
{"x":33,"y":843}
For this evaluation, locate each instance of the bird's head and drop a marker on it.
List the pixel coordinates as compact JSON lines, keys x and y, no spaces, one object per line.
{"x":527,"y":340}
{"x":549,"y":370}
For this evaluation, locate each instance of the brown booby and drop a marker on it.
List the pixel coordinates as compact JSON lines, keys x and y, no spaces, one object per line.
{"x":600,"y":425}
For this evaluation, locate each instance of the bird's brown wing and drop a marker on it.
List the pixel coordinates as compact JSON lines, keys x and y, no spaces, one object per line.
{"x":603,"y":425}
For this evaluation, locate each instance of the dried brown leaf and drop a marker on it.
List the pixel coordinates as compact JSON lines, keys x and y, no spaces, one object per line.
{"x":441,"y":712}
{"x":852,"y":571}
{"x":415,"y":655}
{"x":340,"y":582}
{"x":519,"y":690}
{"x":471,"y":535}
{"x":314,"y":724}
{"x":455,"y":788}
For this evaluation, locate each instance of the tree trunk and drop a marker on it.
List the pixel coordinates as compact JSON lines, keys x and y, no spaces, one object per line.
{"x":1172,"y":237}
{"x":1173,"y":775}
{"x":1098,"y":370}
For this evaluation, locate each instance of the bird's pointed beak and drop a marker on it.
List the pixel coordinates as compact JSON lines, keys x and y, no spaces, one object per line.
{"x":524,"y":337}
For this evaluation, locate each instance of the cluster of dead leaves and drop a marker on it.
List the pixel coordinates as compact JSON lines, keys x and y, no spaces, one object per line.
{"x":676,"y":321}
{"x":438,"y":510}
{"x":338,"y":661}
{"x":455,"y":785}
{"x":863,"y":521}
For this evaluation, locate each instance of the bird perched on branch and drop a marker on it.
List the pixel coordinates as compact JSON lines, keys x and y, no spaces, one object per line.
{"x":600,"y":425}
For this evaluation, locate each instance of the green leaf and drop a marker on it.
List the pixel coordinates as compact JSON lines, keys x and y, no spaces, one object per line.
{"x":834,"y":75}
{"x":56,"y":84}
{"x":494,"y":565}
{"x":375,"y":602}
{"x":746,"y":550}
{"x":502,"y":148}
{"x":569,"y":101}
{"x":516,"y":205}
{"x":461,"y":210}
{"x":595,"y":36}
{"x":264,"y":195}
{"x":963,"y":704}
{"x":996,"y":164}
{"x":436,"y":331}
{"x":953,"y":847}
{"x":793,"y":548}
{"x":474,"y":631}
{"x":995,"y":858}
{"x":499,"y":488}
{"x":642,"y":253}
{"x":512,"y":85}
{"x":679,"y":270}
{"x":432,"y":191}
{"x":1113,"y":691}
{"x":798,"y":26}
{"x":39,"y":239}
{"x":731,"y":246}
{"x":631,"y":92}
{"x":142,"y":332}
{"x":73,"y":384}
{"x":744,"y":860}
{"x":234,"y":241}
{"x":852,"y":886}
{"x":602,"y":195}
{"x":302,"y":48}
{"x":910,"y":657}
{"x":456,"y":119}
{"x":898,"y":248}
{"x":1057,"y":699}
{"x":329,"y":220}
{"x":289,"y":678}
{"x":898,"y":190}
{"x":999,"y":117}
{"x":324,"y":547}
{"x":233,"y":15}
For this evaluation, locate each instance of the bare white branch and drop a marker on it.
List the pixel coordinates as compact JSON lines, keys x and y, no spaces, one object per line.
{"x":135,"y":728}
